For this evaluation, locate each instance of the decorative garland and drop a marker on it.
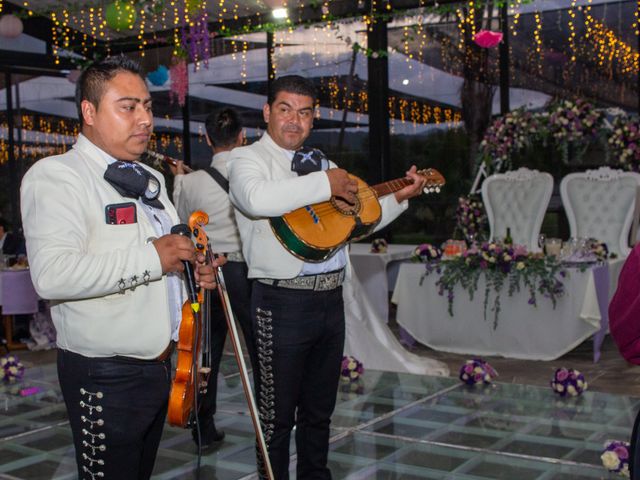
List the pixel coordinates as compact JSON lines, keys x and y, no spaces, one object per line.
{"x":500,"y":264}
{"x":564,"y":123}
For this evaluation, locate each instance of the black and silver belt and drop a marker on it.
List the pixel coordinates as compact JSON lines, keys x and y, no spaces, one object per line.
{"x":320,"y":282}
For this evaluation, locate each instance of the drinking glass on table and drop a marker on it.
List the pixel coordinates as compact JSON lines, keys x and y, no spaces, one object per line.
{"x":553,"y":246}
{"x":541,"y":239}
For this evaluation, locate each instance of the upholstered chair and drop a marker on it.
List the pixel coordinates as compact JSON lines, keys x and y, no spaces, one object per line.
{"x":517,"y":200}
{"x":600,"y":204}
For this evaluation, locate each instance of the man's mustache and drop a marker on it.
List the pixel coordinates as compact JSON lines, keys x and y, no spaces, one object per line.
{"x":292,"y":129}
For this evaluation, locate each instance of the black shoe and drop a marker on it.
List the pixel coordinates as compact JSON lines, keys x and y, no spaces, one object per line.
{"x":209,"y":436}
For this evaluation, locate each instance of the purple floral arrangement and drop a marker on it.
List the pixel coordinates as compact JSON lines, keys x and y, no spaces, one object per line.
{"x":426,"y":253}
{"x":510,"y":265}
{"x":379,"y":245}
{"x":624,"y":142}
{"x":12,"y":369}
{"x":351,"y":369}
{"x":507,"y":135}
{"x":471,"y":219}
{"x":568,"y":382}
{"x":615,"y":457}
{"x":477,"y":371}
{"x":571,"y":121}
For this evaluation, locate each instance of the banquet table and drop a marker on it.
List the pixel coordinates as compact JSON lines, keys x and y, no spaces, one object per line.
{"x":377,"y":272}
{"x":17,"y":297}
{"x":537,"y":332}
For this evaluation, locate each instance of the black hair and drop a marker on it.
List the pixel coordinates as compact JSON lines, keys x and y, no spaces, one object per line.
{"x":91,"y":84}
{"x":292,"y":84}
{"x":223,"y":126}
{"x":4,"y":224}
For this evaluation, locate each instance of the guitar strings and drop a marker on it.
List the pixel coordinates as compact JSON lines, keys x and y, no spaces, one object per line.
{"x":326,"y":207}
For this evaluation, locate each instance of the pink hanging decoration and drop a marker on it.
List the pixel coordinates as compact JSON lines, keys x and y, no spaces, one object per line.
{"x":487,"y":38}
{"x":179,"y":81}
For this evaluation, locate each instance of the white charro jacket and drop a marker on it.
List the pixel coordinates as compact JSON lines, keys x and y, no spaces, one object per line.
{"x":79,"y":262}
{"x":262,"y":185}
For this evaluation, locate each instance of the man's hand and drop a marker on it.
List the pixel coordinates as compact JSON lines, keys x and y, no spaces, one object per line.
{"x":205,"y":274}
{"x":172,"y":250}
{"x":414,"y":189}
{"x":180,"y":168}
{"x":342,"y":185}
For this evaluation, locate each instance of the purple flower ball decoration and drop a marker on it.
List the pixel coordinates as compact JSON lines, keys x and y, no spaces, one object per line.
{"x":379,"y":245}
{"x":568,"y":382}
{"x":615,"y":457}
{"x":477,"y":371}
{"x":351,"y":369}
{"x":12,"y":369}
{"x":426,"y":253}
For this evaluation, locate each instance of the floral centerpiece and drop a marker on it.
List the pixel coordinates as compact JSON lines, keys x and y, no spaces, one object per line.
{"x":351,"y":369}
{"x":426,"y":253}
{"x":615,"y":457}
{"x":624,"y":142}
{"x":477,"y":371}
{"x":510,"y":265}
{"x":507,"y":135}
{"x":573,"y":122}
{"x":471,"y":219}
{"x":11,"y":369}
{"x":567,"y":381}
{"x":379,"y":245}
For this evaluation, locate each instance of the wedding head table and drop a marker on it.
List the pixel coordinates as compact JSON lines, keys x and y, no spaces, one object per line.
{"x":525,"y":331}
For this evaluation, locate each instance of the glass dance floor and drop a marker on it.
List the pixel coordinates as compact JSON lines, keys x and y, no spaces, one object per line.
{"x":387,"y":426}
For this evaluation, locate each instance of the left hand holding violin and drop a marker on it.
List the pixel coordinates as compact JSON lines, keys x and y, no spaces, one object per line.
{"x":205,"y":273}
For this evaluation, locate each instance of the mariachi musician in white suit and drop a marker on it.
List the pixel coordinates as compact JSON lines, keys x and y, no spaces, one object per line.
{"x":97,"y":226}
{"x":297,"y":306}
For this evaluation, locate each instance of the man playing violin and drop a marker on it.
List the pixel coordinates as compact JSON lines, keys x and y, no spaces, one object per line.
{"x":297,"y":306}
{"x":97,"y":225}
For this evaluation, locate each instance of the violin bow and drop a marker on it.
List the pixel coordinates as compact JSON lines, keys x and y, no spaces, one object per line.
{"x":197,"y":220}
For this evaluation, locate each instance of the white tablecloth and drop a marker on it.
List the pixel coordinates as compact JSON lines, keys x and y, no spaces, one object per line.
{"x":368,"y":337}
{"x":377,"y":272}
{"x":523,"y":331}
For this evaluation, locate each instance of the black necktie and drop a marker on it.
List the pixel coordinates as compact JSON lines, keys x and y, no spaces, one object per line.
{"x":133,"y":181}
{"x":307,"y":160}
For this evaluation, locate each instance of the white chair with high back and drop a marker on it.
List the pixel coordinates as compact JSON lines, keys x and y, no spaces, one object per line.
{"x":600,"y":204}
{"x":517,"y":200}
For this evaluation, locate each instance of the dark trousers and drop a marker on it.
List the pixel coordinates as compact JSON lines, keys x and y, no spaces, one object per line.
{"x":239,"y":290}
{"x":117,"y":408}
{"x":300,"y":340}
{"x":634,"y":452}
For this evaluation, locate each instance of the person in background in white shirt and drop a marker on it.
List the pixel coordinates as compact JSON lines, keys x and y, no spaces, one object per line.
{"x":97,"y":225}
{"x":208,"y":190}
{"x":297,"y":305}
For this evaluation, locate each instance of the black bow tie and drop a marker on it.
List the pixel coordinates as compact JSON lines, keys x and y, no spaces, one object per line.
{"x":133,"y":181}
{"x":307,"y":160}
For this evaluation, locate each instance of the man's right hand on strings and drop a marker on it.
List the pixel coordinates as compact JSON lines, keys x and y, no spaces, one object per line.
{"x":342,"y":185}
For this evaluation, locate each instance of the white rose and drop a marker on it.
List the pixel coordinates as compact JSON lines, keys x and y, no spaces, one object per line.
{"x":610,"y":460}
{"x":519,"y":265}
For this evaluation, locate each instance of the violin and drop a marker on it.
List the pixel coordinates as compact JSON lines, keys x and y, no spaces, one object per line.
{"x":197,"y":221}
{"x":193,"y":365}
{"x":159,"y":157}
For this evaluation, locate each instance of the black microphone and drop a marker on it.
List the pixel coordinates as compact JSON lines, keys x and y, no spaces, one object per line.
{"x":189,"y":277}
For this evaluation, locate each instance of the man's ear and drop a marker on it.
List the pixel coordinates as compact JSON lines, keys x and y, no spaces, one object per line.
{"x":240,"y":138}
{"x":206,"y":136}
{"x":266,"y":112}
{"x":88,"y":110}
